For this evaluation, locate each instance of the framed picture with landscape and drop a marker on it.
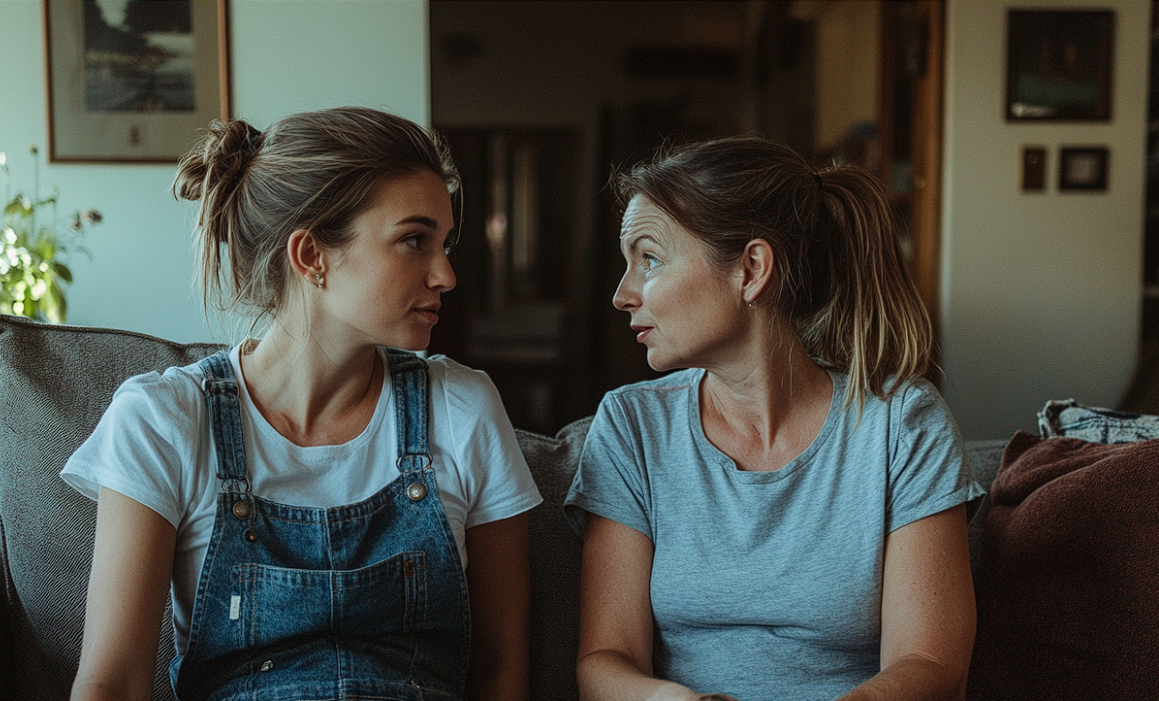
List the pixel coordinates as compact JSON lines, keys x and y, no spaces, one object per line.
{"x":133,"y":81}
{"x":1058,"y":65}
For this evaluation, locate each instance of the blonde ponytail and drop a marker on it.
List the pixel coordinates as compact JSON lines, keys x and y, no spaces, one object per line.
{"x":874,"y":325}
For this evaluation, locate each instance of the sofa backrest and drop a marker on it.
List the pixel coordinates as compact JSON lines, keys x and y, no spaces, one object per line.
{"x":556,"y":551}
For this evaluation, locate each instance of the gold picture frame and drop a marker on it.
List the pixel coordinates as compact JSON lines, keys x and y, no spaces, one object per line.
{"x":137,"y":87}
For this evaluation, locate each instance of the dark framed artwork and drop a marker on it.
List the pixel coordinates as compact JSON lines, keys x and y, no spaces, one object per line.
{"x":133,"y":81}
{"x":1058,"y":65}
{"x":1083,"y":168}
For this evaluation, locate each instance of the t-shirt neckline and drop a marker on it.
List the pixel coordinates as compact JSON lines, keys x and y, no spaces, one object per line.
{"x":271,"y":434}
{"x":729,"y":466}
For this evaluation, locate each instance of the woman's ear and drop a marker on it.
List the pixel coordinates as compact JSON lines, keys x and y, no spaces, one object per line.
{"x":758,"y":266}
{"x":307,"y":259}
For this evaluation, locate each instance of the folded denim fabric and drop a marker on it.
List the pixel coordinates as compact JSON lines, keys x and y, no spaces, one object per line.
{"x":1066,"y":418}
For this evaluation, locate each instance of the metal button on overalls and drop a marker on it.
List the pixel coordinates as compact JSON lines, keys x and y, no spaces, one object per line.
{"x":416,"y":491}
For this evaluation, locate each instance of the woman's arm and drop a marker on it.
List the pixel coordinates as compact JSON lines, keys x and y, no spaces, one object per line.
{"x":927,"y":613}
{"x":499,"y":582}
{"x":132,"y":568}
{"x":615,"y":648}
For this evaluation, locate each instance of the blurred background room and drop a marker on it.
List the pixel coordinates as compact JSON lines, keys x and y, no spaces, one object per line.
{"x":1030,"y":233}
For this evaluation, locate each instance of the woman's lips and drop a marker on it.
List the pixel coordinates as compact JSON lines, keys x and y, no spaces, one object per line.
{"x":641,"y":332}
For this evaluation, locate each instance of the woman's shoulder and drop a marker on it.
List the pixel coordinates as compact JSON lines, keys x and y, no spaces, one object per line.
{"x":918,"y":394}
{"x":912,"y":409}
{"x":159,"y":392}
{"x":899,"y":394}
{"x":664,"y":388}
{"x":658,"y":401}
{"x":467,"y":395}
{"x":453,"y":376}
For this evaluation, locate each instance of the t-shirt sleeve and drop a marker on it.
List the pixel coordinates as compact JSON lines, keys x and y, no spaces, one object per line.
{"x":138,"y":447}
{"x":495,"y":478}
{"x":928,"y":471}
{"x":611,"y":481}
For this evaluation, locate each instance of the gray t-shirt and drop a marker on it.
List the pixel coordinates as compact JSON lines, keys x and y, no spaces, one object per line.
{"x":767,"y":585}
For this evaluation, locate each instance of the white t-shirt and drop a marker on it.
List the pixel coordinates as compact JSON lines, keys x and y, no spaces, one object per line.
{"x":153,"y":445}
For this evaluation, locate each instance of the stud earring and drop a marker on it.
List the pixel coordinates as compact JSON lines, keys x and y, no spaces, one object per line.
{"x":318,"y":280}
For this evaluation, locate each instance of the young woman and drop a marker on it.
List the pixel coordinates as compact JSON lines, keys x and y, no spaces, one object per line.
{"x":337,"y":519}
{"x":783,"y":517}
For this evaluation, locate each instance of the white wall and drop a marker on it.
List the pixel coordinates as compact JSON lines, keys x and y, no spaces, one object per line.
{"x":1041,"y":293}
{"x":286,"y":56}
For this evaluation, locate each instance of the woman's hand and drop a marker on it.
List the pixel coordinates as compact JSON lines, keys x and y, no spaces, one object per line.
{"x":499,"y":583}
{"x":132,"y":567}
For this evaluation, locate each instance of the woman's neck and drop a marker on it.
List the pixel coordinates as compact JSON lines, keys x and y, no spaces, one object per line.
{"x":311,"y":393}
{"x":764,"y":410}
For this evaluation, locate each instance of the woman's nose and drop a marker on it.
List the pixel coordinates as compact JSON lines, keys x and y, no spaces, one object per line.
{"x":443,"y":275}
{"x":626,"y":296}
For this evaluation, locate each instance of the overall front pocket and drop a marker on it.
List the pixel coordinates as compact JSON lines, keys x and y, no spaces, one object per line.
{"x":270,"y":606}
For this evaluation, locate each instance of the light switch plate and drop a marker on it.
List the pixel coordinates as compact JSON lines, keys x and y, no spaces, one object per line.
{"x":1033,"y":168}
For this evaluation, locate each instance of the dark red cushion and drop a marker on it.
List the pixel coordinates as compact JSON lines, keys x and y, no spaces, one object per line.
{"x":1068,"y":584}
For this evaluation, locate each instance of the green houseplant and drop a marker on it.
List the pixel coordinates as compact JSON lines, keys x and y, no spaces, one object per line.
{"x":34,"y":245}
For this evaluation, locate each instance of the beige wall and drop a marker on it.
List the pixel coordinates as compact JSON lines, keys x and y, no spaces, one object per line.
{"x":1041,"y":293}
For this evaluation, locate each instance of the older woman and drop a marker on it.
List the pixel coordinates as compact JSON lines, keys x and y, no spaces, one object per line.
{"x":784,"y":516}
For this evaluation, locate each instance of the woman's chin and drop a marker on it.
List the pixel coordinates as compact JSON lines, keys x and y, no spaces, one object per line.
{"x":658,"y":362}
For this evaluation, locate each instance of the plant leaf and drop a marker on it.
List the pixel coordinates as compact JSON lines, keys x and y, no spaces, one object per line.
{"x":16,"y":206}
{"x":53,"y":305}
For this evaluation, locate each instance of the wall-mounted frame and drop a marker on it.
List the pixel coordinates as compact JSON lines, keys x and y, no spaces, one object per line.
{"x":1083,"y":168}
{"x":1058,"y":65}
{"x":137,"y":86}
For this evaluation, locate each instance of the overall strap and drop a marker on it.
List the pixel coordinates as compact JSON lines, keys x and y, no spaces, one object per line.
{"x":223,"y":404}
{"x":408,"y":377}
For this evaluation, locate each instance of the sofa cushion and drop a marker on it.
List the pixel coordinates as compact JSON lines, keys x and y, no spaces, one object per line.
{"x":55,"y":382}
{"x":1066,"y":588}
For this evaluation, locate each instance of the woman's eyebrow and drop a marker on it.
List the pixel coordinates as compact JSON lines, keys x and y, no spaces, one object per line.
{"x":419,"y":219}
{"x":628,"y":242}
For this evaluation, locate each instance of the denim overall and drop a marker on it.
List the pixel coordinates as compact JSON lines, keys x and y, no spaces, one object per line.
{"x":364,"y":601}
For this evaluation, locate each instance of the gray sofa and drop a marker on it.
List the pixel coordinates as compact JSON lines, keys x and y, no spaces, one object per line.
{"x":55,"y":382}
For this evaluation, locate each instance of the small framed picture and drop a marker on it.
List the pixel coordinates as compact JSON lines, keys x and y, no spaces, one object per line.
{"x":133,"y":81}
{"x":1058,"y":65}
{"x":1083,"y":168}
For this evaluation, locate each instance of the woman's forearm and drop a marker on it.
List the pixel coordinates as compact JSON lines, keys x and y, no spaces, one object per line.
{"x":86,"y":691}
{"x":912,"y":678}
{"x":607,"y":676}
